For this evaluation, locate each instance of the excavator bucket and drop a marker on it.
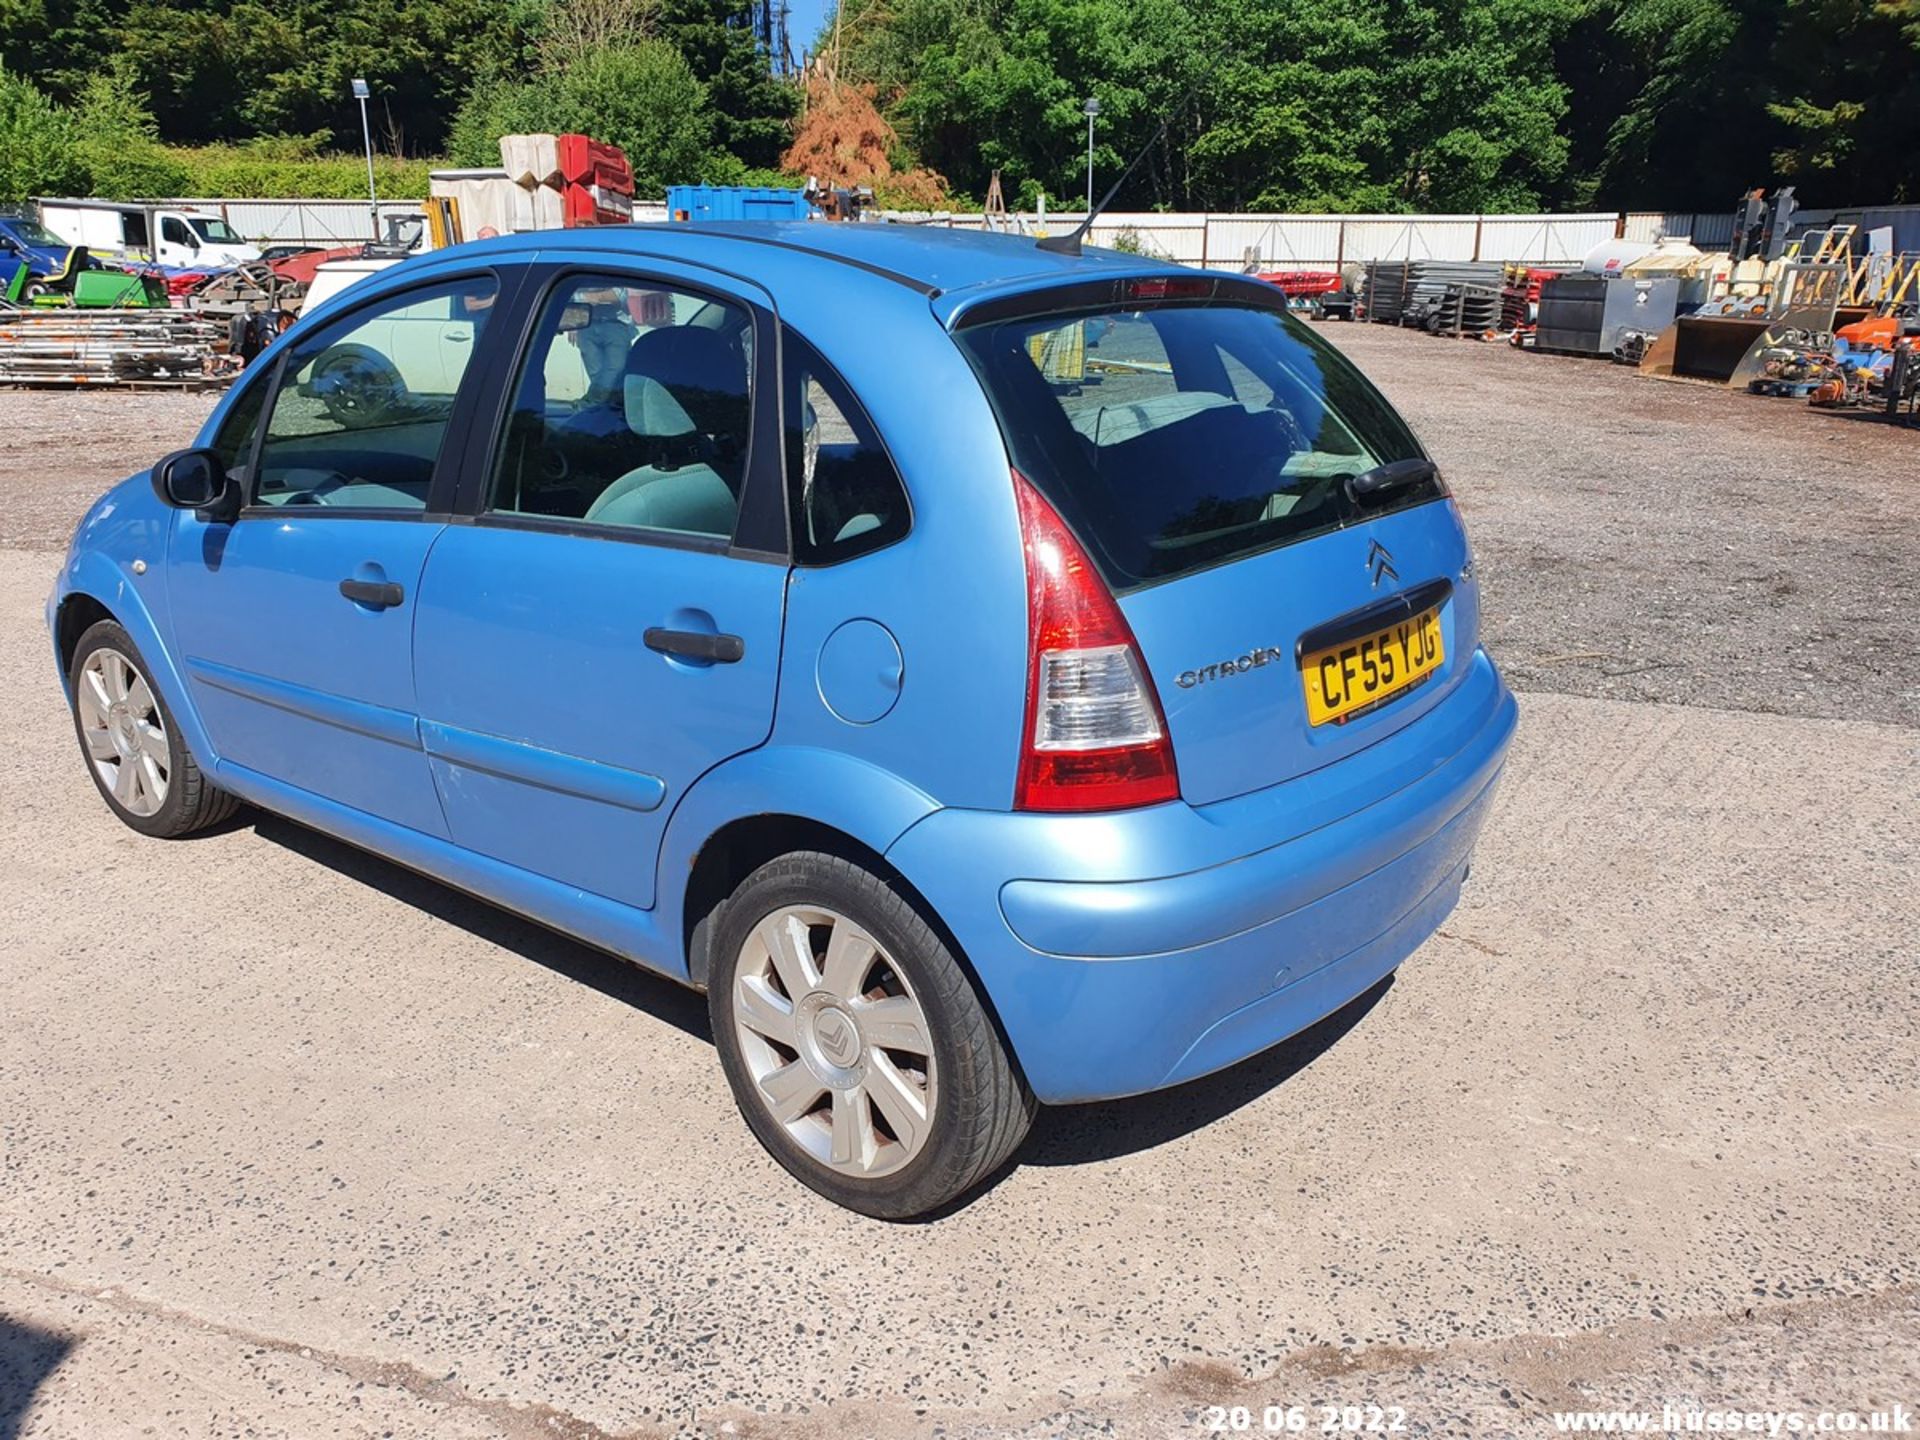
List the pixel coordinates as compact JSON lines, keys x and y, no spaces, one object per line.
{"x":1704,"y":347}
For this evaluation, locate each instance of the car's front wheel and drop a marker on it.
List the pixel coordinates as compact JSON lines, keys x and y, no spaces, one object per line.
{"x":857,"y":1048}
{"x":134,"y":752}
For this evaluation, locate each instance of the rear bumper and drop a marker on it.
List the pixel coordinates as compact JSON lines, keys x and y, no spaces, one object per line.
{"x":1130,"y":952}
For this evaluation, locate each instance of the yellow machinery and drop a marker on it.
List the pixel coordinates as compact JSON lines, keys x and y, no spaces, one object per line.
{"x":1816,"y":285}
{"x":443,"y":222}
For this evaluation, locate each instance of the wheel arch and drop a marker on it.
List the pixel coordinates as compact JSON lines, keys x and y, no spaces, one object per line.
{"x":743,"y":845}
{"x":98,"y":589}
{"x":79,"y":612}
{"x":773,"y":801}
{"x":740,"y":847}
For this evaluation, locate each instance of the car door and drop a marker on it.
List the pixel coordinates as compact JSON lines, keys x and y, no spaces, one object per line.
{"x":178,"y":244}
{"x":295,"y":619}
{"x":603,"y":623}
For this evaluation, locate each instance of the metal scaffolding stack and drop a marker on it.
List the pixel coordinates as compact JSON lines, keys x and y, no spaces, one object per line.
{"x":1459,"y":310}
{"x":1388,"y":287}
{"x":1448,"y":297}
{"x":108,"y":347}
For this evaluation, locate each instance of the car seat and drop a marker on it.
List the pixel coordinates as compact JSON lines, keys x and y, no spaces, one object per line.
{"x":685,"y":393}
{"x":57,"y":290}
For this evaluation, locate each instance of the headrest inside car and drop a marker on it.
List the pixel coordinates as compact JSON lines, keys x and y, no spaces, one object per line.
{"x":652,"y":410}
{"x":702,"y":371}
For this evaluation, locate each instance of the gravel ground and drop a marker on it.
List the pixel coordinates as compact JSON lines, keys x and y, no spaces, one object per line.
{"x":1658,"y":540}
{"x":1638,"y":539}
{"x":296,"y":1142}
{"x":59,"y":449}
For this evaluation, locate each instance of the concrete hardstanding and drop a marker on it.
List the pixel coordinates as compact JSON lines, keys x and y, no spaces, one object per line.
{"x":294,"y":1142}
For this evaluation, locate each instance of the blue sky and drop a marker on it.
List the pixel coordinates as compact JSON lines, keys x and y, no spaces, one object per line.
{"x":803,"y":23}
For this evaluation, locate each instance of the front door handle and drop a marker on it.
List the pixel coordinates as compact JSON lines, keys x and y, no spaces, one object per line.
{"x":380,"y":594}
{"x":696,"y":645}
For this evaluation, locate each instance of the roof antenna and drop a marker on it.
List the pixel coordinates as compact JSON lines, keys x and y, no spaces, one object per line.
{"x":1069,"y":244}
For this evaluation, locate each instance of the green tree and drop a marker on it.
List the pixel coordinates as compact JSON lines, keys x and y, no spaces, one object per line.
{"x":117,"y":142}
{"x":643,"y":98}
{"x":236,"y":69}
{"x":36,"y":143}
{"x":1288,"y":104}
{"x":752,"y":110}
{"x":57,"y":42}
{"x":1727,"y":95}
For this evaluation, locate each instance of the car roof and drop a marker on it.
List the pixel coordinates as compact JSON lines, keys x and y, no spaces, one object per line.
{"x":848,"y":267}
{"x":933,"y":259}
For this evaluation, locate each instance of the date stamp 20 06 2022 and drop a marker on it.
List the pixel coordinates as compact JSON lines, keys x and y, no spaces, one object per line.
{"x":1303,"y":1420}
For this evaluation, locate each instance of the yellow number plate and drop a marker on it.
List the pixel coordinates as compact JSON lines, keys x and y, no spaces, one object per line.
{"x":1360,"y":673}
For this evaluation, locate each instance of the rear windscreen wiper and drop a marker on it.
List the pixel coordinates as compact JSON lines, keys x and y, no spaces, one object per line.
{"x":1394,"y":475}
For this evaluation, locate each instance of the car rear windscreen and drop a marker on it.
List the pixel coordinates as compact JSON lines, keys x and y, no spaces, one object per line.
{"x":1175,"y":437}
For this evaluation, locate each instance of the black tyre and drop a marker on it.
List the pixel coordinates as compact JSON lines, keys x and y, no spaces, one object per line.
{"x":857,"y":1047}
{"x":133,"y":749}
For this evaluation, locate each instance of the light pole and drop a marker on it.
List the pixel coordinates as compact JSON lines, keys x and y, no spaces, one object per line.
{"x":1090,"y":110}
{"x":360,"y":93}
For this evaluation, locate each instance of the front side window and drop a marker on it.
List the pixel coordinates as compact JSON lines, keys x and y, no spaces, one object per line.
{"x":361,"y":408}
{"x":1174,"y":437}
{"x":176,"y":233}
{"x":846,"y":497}
{"x":632,"y":410}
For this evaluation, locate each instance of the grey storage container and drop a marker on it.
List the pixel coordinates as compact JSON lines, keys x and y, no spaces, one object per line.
{"x":1587,"y":314}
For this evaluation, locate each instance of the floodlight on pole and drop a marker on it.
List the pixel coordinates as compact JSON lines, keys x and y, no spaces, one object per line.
{"x":1090,"y":110}
{"x":360,"y":93}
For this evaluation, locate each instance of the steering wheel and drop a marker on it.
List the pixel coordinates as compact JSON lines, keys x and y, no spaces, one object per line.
{"x":317,"y":494}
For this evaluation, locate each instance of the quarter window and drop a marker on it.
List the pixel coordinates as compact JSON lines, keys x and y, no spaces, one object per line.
{"x":362,"y":407}
{"x":234,"y":442}
{"x":633,"y":410}
{"x":846,"y":496}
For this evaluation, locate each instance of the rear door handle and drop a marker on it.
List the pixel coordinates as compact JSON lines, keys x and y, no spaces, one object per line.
{"x":380,"y":594}
{"x":696,"y":645}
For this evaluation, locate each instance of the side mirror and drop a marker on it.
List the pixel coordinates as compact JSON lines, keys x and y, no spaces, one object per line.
{"x":192,"y":480}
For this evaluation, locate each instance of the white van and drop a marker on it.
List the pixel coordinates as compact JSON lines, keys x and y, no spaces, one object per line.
{"x":165,"y":234}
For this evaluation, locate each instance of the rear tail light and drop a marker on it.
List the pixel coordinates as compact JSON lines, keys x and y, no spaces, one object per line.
{"x":1096,"y":738}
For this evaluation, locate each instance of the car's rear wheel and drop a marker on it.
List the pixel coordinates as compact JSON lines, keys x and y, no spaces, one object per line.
{"x":857,"y":1048}
{"x":133,"y":750}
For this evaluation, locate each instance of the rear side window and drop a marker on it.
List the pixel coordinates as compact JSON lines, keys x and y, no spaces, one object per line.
{"x":845,"y":496}
{"x":1176,"y":437}
{"x":634,"y":410}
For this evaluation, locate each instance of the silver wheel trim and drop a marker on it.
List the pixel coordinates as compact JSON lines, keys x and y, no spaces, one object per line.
{"x":838,"y":1048}
{"x":125,"y":737}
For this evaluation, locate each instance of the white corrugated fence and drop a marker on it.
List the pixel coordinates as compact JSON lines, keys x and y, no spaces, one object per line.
{"x":1224,"y":241}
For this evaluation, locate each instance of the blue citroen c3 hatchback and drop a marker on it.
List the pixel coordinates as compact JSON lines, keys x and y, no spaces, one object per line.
{"x":995,"y":676}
